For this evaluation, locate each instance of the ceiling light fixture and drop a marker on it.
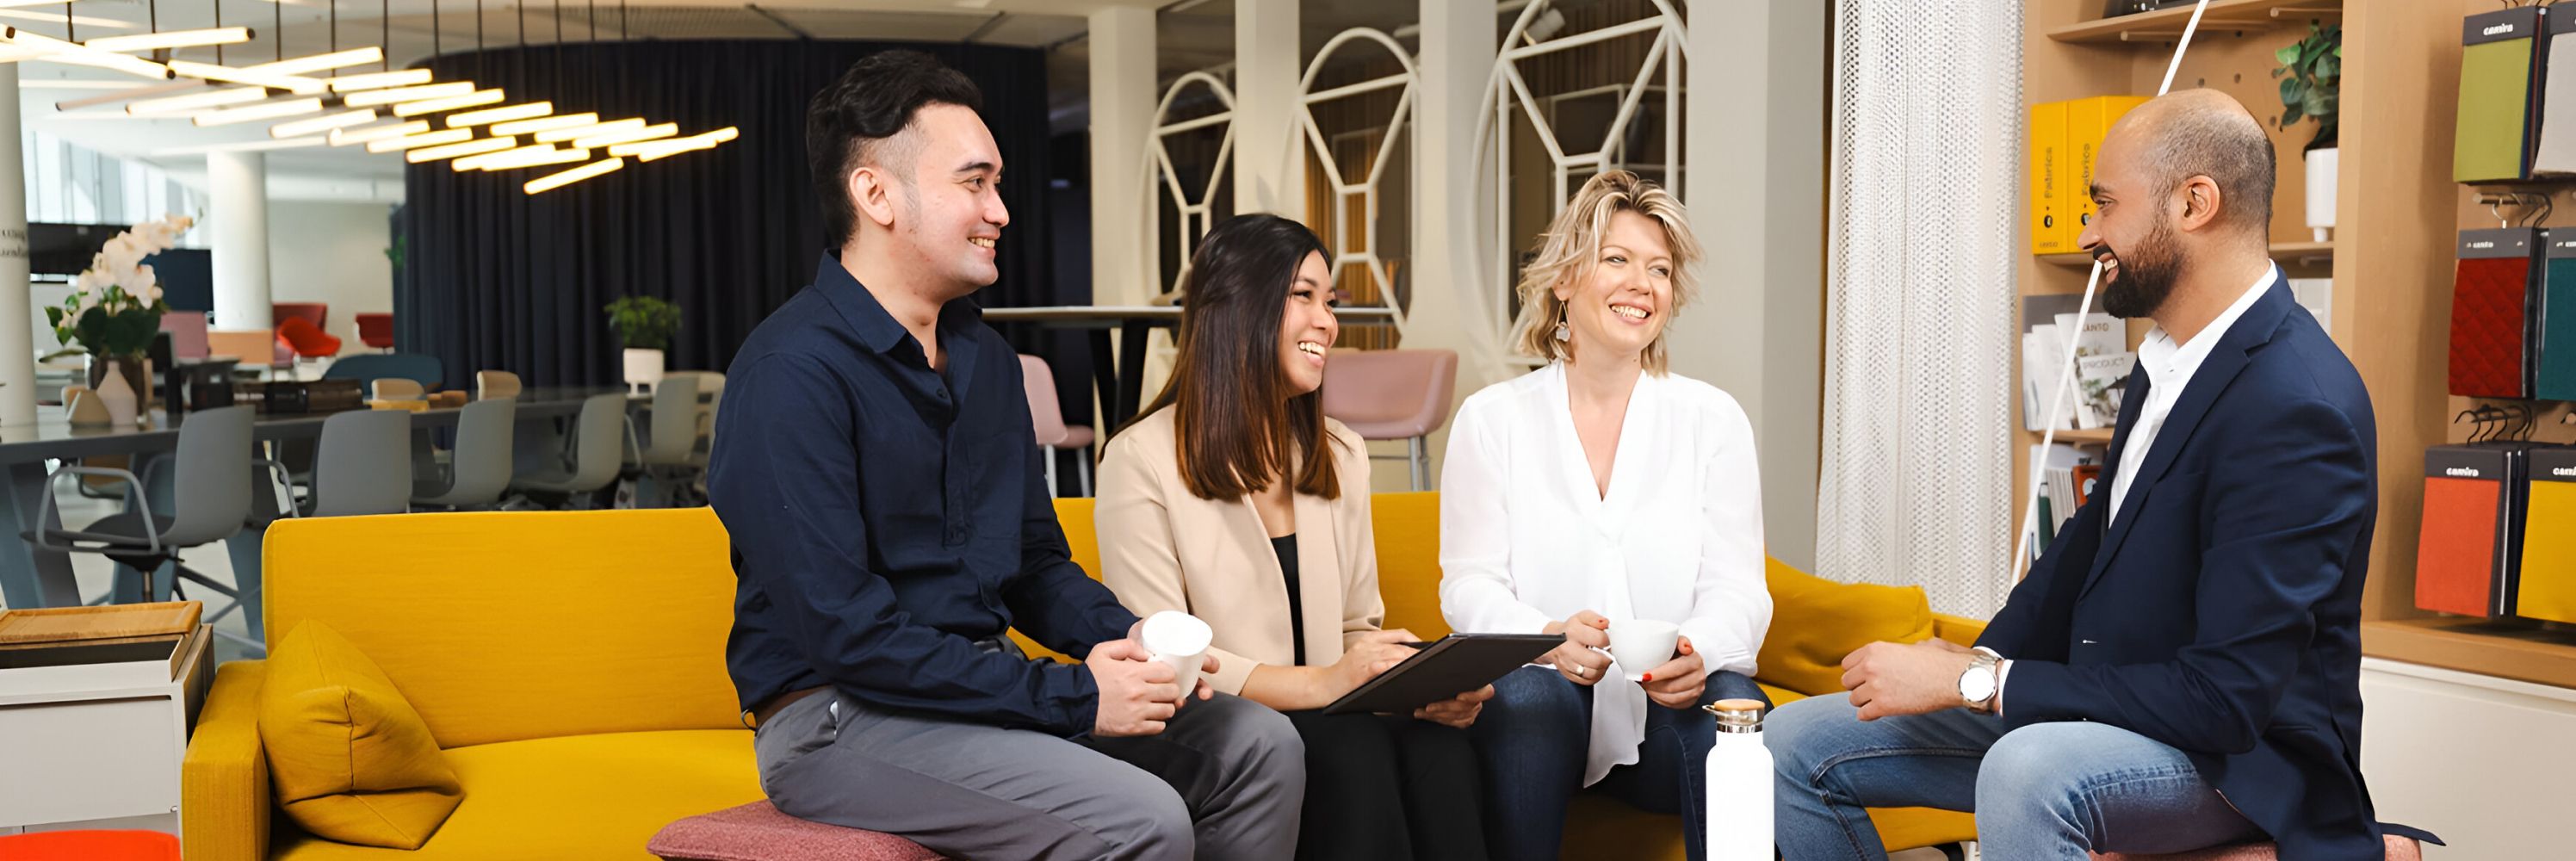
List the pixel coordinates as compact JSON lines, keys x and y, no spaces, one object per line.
{"x":381,"y":131}
{"x":321,"y":62}
{"x":197,"y":101}
{"x":248,"y":146}
{"x":432,"y":106}
{"x":288,"y":108}
{"x":406,"y":94}
{"x":422,"y":139}
{"x":546,"y":124}
{"x":379,"y":80}
{"x":553,"y":181}
{"x":172,"y":39}
{"x":643,"y":134}
{"x":323,"y":123}
{"x":526,"y":156}
{"x":579,"y":132}
{"x":472,"y":147}
{"x":82,"y":20}
{"x":296,"y":84}
{"x":660,"y":149}
{"x":524,"y":111}
{"x":59,"y":51}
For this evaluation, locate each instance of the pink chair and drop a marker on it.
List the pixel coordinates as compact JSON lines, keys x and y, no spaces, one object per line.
{"x":187,"y":334}
{"x":2399,"y":849}
{"x":1393,"y":394}
{"x":1048,"y":416}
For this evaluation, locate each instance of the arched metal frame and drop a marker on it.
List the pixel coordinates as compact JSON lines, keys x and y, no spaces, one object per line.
{"x":1197,"y":212}
{"x":1506,"y":91}
{"x":1367,"y":189}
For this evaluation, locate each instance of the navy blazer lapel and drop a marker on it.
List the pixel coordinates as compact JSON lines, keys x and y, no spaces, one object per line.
{"x":2226,"y":359}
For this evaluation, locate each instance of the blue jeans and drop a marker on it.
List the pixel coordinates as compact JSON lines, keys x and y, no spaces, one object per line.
{"x":2043,"y":792}
{"x":1532,"y":736}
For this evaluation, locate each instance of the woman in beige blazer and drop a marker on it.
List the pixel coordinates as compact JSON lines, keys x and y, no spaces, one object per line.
{"x":1234,"y":499}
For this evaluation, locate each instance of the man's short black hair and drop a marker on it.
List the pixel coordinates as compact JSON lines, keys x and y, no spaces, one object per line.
{"x":871,"y":102}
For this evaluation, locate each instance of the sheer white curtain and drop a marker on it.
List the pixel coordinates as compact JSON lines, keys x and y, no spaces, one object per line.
{"x":1915,"y":483}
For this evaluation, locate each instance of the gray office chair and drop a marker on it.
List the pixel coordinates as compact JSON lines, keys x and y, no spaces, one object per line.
{"x":363,"y":465}
{"x":477,"y":471}
{"x":596,"y":456}
{"x":211,"y":498}
{"x":664,"y":454}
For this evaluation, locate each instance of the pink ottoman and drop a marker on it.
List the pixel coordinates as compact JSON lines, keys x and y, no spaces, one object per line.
{"x":758,"y":832}
{"x":2399,"y":849}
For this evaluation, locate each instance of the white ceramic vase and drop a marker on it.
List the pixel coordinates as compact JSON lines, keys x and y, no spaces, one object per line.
{"x":643,"y":370}
{"x":2321,"y":192}
{"x":117,"y":396}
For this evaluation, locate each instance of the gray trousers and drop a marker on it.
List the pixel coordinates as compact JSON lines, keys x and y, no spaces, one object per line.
{"x":1225,"y":780}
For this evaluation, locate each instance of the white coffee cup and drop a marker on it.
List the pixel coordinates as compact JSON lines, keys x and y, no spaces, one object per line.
{"x":1640,"y":645}
{"x":1181,"y":640}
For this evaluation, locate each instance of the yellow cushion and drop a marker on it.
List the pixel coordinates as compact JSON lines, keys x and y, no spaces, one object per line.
{"x":588,"y":797}
{"x":1408,"y":561}
{"x":1815,"y":622}
{"x":515,"y":625}
{"x":348,"y":756}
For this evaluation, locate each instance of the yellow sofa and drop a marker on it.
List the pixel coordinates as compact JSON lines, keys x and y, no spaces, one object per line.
{"x":572,"y":666}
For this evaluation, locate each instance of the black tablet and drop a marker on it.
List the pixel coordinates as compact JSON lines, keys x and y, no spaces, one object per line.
{"x":1450,"y":666}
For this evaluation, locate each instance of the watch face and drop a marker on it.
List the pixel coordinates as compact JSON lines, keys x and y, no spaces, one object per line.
{"x":1977,"y":684}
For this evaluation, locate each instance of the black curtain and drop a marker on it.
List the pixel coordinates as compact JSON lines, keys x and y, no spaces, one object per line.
{"x":494,"y":278}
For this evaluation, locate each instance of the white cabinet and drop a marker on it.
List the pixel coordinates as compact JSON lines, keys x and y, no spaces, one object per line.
{"x":91,"y":735}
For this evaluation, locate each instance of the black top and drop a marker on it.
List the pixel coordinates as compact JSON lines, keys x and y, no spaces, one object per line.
{"x":885,"y":517}
{"x":1286,"y":547}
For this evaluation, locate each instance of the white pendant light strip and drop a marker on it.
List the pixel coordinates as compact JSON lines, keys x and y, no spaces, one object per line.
{"x":579,"y":132}
{"x":526,"y":156}
{"x":553,"y":181}
{"x":380,"y":80}
{"x":436,"y":138}
{"x":380,"y":131}
{"x":546,"y":124}
{"x":524,"y":111}
{"x":477,"y":98}
{"x":59,"y":51}
{"x":270,"y":111}
{"x":643,"y":134}
{"x":168,"y":39}
{"x":197,"y":101}
{"x":297,"y":84}
{"x":323,"y":123}
{"x":661,"y":149}
{"x":472,"y":147}
{"x":406,"y":94}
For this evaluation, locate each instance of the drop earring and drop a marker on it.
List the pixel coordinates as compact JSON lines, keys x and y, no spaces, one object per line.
{"x":1560,"y":325}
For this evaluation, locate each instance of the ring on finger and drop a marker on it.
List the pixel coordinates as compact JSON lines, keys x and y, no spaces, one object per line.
{"x":1583,"y":672}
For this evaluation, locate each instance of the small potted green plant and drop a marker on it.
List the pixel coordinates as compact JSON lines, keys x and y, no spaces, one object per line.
{"x":644,"y":325}
{"x":2311,"y":75}
{"x":114,"y":310}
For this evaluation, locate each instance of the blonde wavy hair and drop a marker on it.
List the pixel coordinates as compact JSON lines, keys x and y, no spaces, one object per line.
{"x":1573,"y":243}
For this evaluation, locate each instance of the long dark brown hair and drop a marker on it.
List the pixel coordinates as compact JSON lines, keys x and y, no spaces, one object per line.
{"x":1233,"y":430}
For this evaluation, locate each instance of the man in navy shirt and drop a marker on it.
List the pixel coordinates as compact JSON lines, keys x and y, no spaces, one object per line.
{"x":889,"y":518}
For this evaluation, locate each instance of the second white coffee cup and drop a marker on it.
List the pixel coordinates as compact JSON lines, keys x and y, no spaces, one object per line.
{"x":1181,"y":640}
{"x":1640,"y":645}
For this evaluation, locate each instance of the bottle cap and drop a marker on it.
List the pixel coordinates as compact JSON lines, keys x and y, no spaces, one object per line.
{"x":1737,"y":715}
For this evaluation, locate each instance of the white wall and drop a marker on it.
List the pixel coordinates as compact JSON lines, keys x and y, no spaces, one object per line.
{"x":335,"y":253}
{"x":2481,"y":761}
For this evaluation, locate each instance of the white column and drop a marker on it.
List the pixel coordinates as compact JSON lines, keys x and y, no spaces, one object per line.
{"x":238,"y":186}
{"x":1753,"y":175}
{"x":1122,"y":117}
{"x":17,"y":306}
{"x":1269,"y":150}
{"x":1452,"y":308}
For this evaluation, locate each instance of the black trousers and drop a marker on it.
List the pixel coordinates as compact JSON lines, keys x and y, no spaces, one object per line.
{"x":1388,"y":787}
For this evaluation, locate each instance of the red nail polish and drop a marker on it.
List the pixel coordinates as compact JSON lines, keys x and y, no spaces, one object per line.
{"x":1650,"y":677}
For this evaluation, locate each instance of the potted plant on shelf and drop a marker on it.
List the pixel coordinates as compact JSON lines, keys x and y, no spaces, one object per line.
{"x":2311,"y":76}
{"x":114,"y":310}
{"x":645,"y":325}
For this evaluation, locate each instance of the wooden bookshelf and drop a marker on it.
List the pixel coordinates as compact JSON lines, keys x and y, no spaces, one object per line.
{"x":2398,"y":215}
{"x":2165,"y":25}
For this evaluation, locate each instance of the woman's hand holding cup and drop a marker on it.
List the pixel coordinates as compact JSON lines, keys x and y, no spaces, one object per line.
{"x":1677,"y":683}
{"x":1579,"y":658}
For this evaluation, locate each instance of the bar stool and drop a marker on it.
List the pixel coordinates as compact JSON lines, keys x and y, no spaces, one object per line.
{"x":1047,"y":417}
{"x":1393,"y":394}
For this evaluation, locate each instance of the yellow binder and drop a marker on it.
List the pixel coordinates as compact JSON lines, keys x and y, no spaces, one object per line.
{"x":2052,"y":229}
{"x":2087,"y":122}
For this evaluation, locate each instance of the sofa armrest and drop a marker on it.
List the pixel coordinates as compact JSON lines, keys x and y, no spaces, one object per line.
{"x":223,"y":782}
{"x":1957,"y":629}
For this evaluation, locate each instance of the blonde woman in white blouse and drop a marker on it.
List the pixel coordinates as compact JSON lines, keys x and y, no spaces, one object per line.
{"x":1596,"y":490}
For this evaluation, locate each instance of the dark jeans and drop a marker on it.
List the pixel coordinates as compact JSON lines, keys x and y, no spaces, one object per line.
{"x":1388,"y":787}
{"x":1532,"y":737}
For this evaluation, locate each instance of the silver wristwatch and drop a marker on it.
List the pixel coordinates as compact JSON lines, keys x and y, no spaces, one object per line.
{"x":1977,"y":684}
